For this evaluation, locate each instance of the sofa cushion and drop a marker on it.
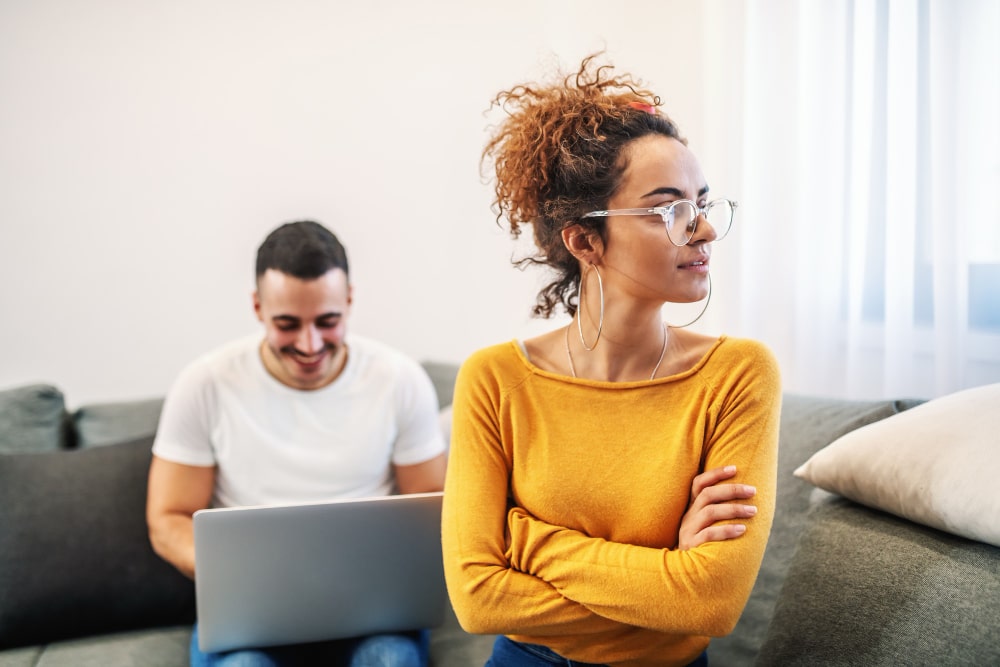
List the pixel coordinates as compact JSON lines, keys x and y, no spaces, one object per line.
{"x":27,"y":656}
{"x":935,"y":464}
{"x":75,"y":559}
{"x":160,"y":647}
{"x":31,"y":419}
{"x":807,"y":425}
{"x":867,"y":588}
{"x":110,"y":423}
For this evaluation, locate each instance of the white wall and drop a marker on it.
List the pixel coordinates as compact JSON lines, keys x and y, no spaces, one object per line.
{"x":147,"y":148}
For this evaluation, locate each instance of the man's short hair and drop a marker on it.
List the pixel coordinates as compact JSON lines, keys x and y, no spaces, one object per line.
{"x":304,"y":249}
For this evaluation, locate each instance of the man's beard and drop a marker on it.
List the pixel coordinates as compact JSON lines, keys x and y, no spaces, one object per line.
{"x":292,"y":351}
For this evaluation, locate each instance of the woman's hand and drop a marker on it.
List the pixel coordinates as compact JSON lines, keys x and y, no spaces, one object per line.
{"x":710,"y":504}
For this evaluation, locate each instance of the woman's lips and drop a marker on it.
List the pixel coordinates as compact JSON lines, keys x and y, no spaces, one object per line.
{"x":698,"y":265}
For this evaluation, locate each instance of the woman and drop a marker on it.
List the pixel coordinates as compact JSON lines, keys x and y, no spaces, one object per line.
{"x":596,"y":501}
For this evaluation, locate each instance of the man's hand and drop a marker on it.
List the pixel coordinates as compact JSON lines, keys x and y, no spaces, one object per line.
{"x":710,"y":504}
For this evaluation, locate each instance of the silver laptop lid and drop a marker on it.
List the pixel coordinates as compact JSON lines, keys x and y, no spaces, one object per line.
{"x":266,"y":576}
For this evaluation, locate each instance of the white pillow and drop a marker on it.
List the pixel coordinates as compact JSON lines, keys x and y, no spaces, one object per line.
{"x":937,"y":464}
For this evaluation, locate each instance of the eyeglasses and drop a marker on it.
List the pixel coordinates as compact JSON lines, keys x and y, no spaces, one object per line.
{"x":681,"y":217}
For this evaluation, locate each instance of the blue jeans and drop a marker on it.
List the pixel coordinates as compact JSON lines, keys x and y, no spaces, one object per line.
{"x":509,"y":653}
{"x":405,"y":649}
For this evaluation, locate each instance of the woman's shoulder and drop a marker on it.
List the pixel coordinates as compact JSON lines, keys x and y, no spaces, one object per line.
{"x":745,"y":348}
{"x":500,"y":359}
{"x":496,"y":367}
{"x":744,"y":359}
{"x":696,"y":352}
{"x":499,"y":353}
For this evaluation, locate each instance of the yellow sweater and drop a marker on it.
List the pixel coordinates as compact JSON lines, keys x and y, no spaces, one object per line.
{"x":590,"y":481}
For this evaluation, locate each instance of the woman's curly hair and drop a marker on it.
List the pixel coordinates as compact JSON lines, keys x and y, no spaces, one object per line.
{"x":559,"y":154}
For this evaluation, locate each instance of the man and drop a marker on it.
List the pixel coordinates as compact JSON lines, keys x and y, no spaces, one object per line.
{"x":306,"y":414}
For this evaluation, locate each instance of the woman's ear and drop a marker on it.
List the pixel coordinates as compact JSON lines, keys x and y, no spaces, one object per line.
{"x":584,"y":244}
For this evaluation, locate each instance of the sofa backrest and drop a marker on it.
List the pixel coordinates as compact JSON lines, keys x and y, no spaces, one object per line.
{"x":108,"y":423}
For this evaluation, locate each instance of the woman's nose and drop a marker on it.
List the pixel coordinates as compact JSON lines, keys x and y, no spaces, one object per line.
{"x":704,"y":232}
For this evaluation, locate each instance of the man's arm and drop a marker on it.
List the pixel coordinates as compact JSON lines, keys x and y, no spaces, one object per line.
{"x":422,"y":477}
{"x":176,"y":492}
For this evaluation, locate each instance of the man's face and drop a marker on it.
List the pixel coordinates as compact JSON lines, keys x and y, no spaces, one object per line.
{"x":305,"y":323}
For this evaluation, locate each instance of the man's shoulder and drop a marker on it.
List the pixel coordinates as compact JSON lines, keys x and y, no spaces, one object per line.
{"x":371,"y":346}
{"x":376,"y":355}
{"x":233,"y":357}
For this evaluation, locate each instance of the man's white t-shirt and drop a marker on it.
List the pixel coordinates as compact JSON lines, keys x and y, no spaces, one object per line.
{"x":273,"y":444}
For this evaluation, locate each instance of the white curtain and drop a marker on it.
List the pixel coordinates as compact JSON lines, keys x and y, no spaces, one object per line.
{"x":863,"y":140}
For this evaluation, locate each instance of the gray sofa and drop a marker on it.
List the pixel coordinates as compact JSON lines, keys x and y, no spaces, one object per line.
{"x":840,"y":585}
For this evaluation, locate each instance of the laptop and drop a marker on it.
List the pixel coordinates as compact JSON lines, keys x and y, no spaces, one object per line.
{"x":291,"y":574}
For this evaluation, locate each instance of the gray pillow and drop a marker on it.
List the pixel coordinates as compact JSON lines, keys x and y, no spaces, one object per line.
{"x":75,"y":559}
{"x":110,"y":423}
{"x":867,"y":588}
{"x":31,"y":419}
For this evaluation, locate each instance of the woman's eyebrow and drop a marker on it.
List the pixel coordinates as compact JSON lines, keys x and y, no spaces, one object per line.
{"x":666,"y":190}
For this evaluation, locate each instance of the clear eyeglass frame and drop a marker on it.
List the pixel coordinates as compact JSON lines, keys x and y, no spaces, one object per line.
{"x":724,"y":207}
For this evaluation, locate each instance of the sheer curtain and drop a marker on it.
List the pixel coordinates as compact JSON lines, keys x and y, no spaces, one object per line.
{"x":863,"y":140}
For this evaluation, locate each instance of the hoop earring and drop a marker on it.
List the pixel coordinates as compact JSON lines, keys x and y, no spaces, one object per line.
{"x":579,"y":312}
{"x":704,"y":308}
